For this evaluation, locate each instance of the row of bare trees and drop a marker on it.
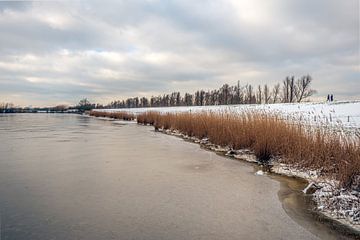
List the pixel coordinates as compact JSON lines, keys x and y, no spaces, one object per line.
{"x":6,"y":107}
{"x":289,"y":91}
{"x":297,"y":90}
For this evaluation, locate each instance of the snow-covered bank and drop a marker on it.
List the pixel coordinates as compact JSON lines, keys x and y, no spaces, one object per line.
{"x":343,"y":113}
{"x":338,"y":203}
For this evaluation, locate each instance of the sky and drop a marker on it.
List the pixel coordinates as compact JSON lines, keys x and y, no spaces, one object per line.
{"x":57,"y":52}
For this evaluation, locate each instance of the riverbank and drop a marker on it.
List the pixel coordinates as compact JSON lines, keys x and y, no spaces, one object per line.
{"x":331,"y":200}
{"x":282,"y":147}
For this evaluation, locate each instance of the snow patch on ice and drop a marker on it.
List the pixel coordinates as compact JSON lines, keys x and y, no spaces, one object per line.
{"x":260,"y":173}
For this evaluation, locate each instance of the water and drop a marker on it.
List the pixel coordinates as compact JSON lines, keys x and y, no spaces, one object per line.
{"x":75,"y":177}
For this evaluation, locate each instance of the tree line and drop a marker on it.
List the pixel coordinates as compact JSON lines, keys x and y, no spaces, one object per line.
{"x":289,"y":91}
{"x":6,"y":107}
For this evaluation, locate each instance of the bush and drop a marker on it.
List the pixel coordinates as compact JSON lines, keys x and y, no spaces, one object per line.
{"x":115,"y":115}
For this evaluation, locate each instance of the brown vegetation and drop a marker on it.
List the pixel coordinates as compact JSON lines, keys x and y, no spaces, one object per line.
{"x":270,"y":137}
{"x":115,"y":115}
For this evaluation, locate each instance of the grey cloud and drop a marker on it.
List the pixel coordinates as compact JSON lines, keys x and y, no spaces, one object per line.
{"x":14,"y":5}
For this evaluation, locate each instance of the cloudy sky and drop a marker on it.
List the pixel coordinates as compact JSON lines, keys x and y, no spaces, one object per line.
{"x":54,"y":52}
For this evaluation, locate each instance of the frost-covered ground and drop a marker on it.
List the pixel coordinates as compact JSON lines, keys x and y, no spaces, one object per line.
{"x":345,"y":113}
{"x":333,"y":201}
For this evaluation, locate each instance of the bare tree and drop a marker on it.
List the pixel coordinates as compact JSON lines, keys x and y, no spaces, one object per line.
{"x":276,"y":92}
{"x":178,"y":99}
{"x":144,"y":102}
{"x":303,"y":89}
{"x":239,"y":94}
{"x":259,"y":95}
{"x":85,"y":105}
{"x":292,"y":89}
{"x":289,"y":89}
{"x":188,"y":99}
{"x":225,"y":92}
{"x":286,"y":84}
{"x":249,"y":93}
{"x":267,"y":94}
{"x":6,"y":107}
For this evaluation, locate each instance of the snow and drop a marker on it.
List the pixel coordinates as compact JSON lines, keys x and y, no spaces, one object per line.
{"x":345,"y":114}
{"x":291,"y":171}
{"x":306,"y":190}
{"x":338,"y":203}
{"x":332,"y":200}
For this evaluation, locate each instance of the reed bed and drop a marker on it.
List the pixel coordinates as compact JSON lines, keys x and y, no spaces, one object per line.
{"x":270,"y":137}
{"x":115,"y":115}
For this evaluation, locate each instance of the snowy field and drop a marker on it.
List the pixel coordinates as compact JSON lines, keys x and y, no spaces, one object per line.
{"x":345,"y":114}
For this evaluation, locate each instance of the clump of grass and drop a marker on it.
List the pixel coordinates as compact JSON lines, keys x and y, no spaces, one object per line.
{"x":148,"y":118}
{"x":270,"y":137}
{"x":115,"y":115}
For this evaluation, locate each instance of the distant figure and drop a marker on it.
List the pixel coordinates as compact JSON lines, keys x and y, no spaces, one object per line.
{"x":331,"y":98}
{"x":328,"y":98}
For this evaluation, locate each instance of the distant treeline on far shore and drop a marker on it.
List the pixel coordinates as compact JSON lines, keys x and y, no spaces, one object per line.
{"x":290,"y":90}
{"x":11,"y":108}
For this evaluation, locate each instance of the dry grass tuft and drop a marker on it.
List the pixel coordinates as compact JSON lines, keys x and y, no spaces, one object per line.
{"x":269,"y":136}
{"x":115,"y":115}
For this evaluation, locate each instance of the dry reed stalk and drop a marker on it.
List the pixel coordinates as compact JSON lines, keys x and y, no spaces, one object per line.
{"x":269,"y":137}
{"x":115,"y":115}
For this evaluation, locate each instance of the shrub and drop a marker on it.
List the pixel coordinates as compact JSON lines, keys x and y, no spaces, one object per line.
{"x":115,"y":115}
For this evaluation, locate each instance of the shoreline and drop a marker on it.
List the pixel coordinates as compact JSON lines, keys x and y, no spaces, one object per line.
{"x":273,"y":168}
{"x":245,"y":155}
